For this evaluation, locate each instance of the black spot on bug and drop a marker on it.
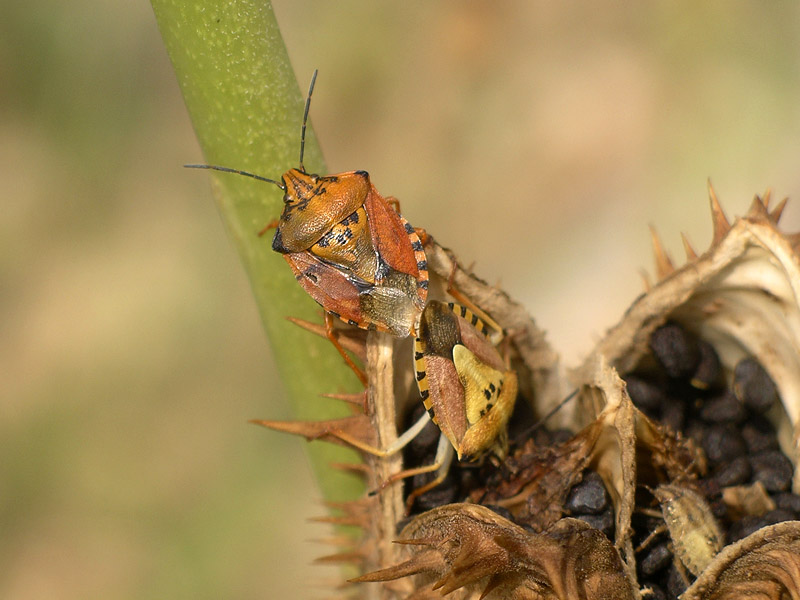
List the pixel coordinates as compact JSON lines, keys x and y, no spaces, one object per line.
{"x":489,"y":407}
{"x":424,"y":394}
{"x":423,"y":285}
{"x":408,"y":228}
{"x":351,"y":218}
{"x":311,"y":277}
{"x":363,"y":174}
{"x":335,"y":314}
{"x":418,"y":355}
{"x":351,"y":322}
{"x":416,"y":246}
{"x":422,"y":265}
{"x":421,"y":375}
{"x":492,"y":387}
{"x":487,"y":393}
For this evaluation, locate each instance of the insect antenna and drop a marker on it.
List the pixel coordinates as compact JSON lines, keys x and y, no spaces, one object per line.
{"x":305,"y":119}
{"x":529,"y":431}
{"x":237,"y":172}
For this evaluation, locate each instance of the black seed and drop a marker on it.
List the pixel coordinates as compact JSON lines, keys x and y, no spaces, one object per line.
{"x":773,"y":470}
{"x":753,"y":385}
{"x":759,"y":434}
{"x":604,"y":521}
{"x":646,"y":395}
{"x":726,"y":408}
{"x":445,"y":493}
{"x":676,"y":350}
{"x":587,"y":497}
{"x":673,"y":414}
{"x":676,"y":584}
{"x":722,"y":442}
{"x":422,"y":449}
{"x":695,"y":430}
{"x":779,"y":515}
{"x":708,"y":369}
{"x":656,"y":558}
{"x":750,"y":524}
{"x":735,"y":472}
{"x":744,"y":527}
{"x":787,"y":501}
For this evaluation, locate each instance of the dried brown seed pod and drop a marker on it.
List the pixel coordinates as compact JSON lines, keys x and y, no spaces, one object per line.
{"x":764,"y":565}
{"x":471,"y":552}
{"x":738,"y":300}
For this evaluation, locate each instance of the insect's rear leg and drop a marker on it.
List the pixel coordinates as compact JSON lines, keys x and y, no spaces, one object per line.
{"x":440,"y":464}
{"x":464,"y":301}
{"x":330,"y":333}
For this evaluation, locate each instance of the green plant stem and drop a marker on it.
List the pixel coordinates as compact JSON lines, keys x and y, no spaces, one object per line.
{"x":246,"y":109}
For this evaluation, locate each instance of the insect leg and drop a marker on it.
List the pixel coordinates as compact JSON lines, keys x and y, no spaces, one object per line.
{"x":400,"y":443}
{"x":268,"y":226}
{"x":464,"y":301}
{"x":331,"y":335}
{"x":441,"y":464}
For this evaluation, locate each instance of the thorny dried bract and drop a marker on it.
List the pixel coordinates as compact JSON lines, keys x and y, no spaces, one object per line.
{"x":471,"y":552}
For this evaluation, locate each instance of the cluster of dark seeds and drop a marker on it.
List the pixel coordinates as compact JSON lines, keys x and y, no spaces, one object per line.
{"x":688,"y":392}
{"x":589,"y":501}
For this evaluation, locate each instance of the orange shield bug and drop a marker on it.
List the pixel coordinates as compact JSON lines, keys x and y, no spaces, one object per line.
{"x":349,"y":249}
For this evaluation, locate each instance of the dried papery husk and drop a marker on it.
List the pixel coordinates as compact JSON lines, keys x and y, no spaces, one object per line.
{"x":763,"y":566}
{"x":538,"y":479}
{"x":466,"y":551}
{"x":742,"y":296}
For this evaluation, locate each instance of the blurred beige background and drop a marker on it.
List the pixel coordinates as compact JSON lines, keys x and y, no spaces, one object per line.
{"x":537,"y":139}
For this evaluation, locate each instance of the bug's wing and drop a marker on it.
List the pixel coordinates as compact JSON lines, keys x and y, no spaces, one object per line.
{"x":445,"y":399}
{"x":394,"y":239}
{"x":328,"y":286}
{"x":489,"y":397}
{"x":482,"y":383}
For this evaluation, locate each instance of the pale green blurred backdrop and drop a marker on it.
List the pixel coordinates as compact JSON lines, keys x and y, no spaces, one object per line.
{"x":537,"y":139}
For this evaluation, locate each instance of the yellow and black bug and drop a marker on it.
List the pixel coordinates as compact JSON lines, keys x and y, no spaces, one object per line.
{"x":467,"y":388}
